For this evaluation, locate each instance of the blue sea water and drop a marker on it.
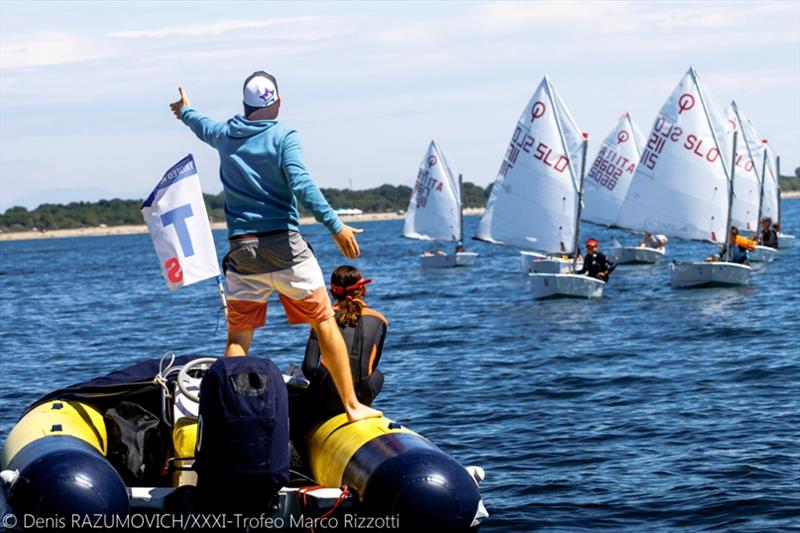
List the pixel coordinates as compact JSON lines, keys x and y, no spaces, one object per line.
{"x":652,"y":409}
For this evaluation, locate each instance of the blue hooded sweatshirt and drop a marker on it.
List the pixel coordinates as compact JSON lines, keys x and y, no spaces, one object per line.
{"x":262,"y":170}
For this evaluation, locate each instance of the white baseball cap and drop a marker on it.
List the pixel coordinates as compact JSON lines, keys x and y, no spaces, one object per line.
{"x":260,"y":91}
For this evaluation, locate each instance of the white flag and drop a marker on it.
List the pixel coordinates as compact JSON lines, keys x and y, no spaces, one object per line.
{"x":176,"y":216}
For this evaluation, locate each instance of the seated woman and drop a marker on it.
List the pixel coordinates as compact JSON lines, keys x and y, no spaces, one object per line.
{"x":363,"y":330}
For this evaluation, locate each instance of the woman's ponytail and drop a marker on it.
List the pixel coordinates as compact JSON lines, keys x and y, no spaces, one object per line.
{"x":348,"y":287}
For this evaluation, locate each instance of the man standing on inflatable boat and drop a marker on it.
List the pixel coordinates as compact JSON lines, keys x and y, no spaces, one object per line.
{"x":264,"y":176}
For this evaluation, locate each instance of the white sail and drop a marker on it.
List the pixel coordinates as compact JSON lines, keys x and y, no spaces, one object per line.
{"x":769,"y":173}
{"x":534,"y":201}
{"x":681,"y":183}
{"x":434,"y":211}
{"x":747,"y":180}
{"x":771,"y":197}
{"x":607,"y":181}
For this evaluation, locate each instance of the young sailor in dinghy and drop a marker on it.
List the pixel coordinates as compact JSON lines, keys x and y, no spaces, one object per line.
{"x":769,"y":235}
{"x":595,"y":264}
{"x":263,"y":175}
{"x":740,"y":249}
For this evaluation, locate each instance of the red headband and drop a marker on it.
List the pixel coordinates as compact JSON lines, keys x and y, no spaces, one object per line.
{"x":339,"y":290}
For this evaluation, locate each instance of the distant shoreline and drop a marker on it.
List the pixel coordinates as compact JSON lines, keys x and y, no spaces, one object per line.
{"x":133,"y":230}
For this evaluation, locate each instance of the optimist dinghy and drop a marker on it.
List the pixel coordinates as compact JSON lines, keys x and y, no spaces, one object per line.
{"x":683,"y":184}
{"x":771,"y":197}
{"x":748,"y":202}
{"x":763,"y":254}
{"x":785,"y":240}
{"x":127,"y":442}
{"x":536,"y":198}
{"x":435,"y":210}
{"x":636,"y":255}
{"x":535,"y":262}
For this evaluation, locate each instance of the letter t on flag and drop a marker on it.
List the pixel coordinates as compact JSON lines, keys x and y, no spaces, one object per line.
{"x":176,"y":216}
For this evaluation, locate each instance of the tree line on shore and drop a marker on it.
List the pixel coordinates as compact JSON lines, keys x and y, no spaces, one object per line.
{"x":116,"y":212}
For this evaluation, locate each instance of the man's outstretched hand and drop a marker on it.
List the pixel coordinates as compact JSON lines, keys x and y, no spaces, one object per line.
{"x":346,"y":241}
{"x":180,"y":104}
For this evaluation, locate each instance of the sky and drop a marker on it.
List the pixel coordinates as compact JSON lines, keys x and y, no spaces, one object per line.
{"x":85,"y":86}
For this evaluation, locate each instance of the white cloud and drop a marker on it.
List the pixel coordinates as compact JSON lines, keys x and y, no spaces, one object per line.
{"x":757,"y":81}
{"x":461,"y":74}
{"x":205,"y":30}
{"x":49,"y":48}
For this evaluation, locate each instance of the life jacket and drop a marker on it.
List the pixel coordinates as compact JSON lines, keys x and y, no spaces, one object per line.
{"x":744,"y":242}
{"x":243,"y":439}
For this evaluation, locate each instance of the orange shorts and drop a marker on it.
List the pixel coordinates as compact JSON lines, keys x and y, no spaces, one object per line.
{"x":300,"y":287}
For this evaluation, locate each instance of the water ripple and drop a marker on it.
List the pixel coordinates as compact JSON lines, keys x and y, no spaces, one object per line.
{"x":649,"y":410}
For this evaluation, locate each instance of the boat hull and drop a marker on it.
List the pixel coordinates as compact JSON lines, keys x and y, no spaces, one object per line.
{"x":565,"y":286}
{"x":391,"y":471}
{"x":60,"y":457}
{"x":636,"y":255}
{"x":785,"y":240}
{"x":58,"y":450}
{"x":533,"y":262}
{"x":461,"y":259}
{"x":763,"y":254}
{"x":709,"y":274}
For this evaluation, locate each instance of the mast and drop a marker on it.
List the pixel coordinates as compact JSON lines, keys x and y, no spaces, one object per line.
{"x":761,"y":189}
{"x":460,"y":210}
{"x":778,"y":181}
{"x":580,"y":200}
{"x":730,"y":200}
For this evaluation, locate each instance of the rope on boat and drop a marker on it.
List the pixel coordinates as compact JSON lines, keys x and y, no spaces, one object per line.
{"x":161,"y":377}
{"x":302,"y":496}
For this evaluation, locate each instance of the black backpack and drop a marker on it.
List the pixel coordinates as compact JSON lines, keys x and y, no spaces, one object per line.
{"x":242,"y":457}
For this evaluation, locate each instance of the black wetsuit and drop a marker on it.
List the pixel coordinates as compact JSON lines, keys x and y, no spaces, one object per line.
{"x":364,"y":345}
{"x":769,"y":237}
{"x":596,"y":265}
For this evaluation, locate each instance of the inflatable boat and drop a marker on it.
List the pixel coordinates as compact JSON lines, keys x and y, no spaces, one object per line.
{"x":122,"y":447}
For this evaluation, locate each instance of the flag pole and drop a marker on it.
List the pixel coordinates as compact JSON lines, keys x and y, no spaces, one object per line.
{"x":222,"y":297}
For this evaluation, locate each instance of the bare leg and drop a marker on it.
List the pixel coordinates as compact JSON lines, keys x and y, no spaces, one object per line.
{"x":334,"y":350}
{"x":239,"y":343}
